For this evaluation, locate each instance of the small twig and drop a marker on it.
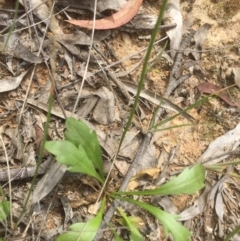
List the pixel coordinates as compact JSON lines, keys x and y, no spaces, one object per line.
{"x":185,"y":42}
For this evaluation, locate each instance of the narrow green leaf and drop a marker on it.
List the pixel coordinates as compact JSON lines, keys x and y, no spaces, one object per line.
{"x":178,"y":231}
{"x":135,"y":234}
{"x":79,"y":134}
{"x":188,"y":182}
{"x":116,"y":236}
{"x":230,"y":235}
{"x":4,"y":209}
{"x":75,"y":158}
{"x":84,"y":231}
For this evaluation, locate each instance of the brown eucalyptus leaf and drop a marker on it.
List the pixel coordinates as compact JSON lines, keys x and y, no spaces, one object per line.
{"x":210,"y":88}
{"x":128,"y":11}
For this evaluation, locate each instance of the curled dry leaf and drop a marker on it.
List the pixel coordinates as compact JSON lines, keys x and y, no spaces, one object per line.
{"x":11,"y":83}
{"x":116,"y":20}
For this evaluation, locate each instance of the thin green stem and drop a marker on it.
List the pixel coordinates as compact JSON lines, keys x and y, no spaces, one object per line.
{"x":144,"y":72}
{"x":232,"y":234}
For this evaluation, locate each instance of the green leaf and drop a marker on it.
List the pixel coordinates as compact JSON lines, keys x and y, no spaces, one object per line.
{"x":187,"y":182}
{"x":75,"y":158}
{"x":116,"y":236}
{"x":230,"y":235}
{"x":79,"y":134}
{"x":84,"y":231}
{"x":4,"y":209}
{"x":135,"y":234}
{"x":178,"y":231}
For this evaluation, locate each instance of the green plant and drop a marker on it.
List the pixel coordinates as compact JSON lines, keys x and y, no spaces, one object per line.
{"x":4,"y":210}
{"x":84,"y":231}
{"x":80,"y":143}
{"x":82,"y":154}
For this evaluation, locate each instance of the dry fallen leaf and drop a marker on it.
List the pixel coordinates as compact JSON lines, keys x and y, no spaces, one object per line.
{"x":104,"y":112}
{"x":116,"y":20}
{"x":220,"y":146}
{"x":134,"y":183}
{"x":173,"y":15}
{"x":210,"y":88}
{"x":152,"y":172}
{"x":11,"y":83}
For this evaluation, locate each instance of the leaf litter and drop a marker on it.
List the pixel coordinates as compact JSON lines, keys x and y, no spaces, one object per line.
{"x":217,"y":121}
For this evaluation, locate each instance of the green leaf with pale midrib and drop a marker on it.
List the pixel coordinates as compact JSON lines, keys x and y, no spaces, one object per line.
{"x":79,"y":134}
{"x":75,"y":158}
{"x":4,"y":209}
{"x":178,"y":231}
{"x":187,"y":182}
{"x":135,"y":234}
{"x":84,"y":231}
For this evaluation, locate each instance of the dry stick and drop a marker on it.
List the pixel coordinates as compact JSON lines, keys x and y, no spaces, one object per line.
{"x":22,"y":173}
{"x":185,"y":42}
{"x":174,"y":83}
{"x":120,"y":86}
{"x":132,"y":169}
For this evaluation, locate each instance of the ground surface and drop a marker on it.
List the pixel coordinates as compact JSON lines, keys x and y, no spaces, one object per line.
{"x":220,"y":55}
